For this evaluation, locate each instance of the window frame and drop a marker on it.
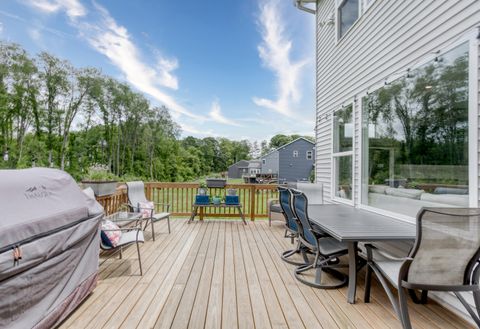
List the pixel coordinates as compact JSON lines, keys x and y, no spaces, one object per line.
{"x":309,"y":155}
{"x":473,"y":118}
{"x":295,"y":154}
{"x":335,"y":155}
{"x":338,"y":3}
{"x":264,"y":161}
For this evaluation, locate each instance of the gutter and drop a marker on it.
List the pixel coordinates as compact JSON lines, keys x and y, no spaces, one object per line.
{"x":300,"y":4}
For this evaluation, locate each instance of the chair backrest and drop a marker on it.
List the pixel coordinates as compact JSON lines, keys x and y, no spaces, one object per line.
{"x":313,"y":191}
{"x":447,"y":247}
{"x":285,"y":198}
{"x":136,"y":194}
{"x":300,"y":206}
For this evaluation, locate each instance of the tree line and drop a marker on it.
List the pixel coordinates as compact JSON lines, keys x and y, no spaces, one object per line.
{"x":54,"y":114}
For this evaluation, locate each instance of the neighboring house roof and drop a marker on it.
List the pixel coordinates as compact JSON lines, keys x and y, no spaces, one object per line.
{"x":285,"y":145}
{"x":241,"y":164}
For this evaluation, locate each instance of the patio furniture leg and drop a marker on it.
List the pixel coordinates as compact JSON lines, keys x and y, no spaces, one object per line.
{"x":120,"y":256}
{"x":403,"y":308}
{"x":368,"y":284}
{"x":423,"y":296}
{"x":153,"y":229}
{"x":352,"y":271}
{"x":168,"y":221}
{"x":139,"y":259}
{"x":242,"y":215}
{"x":467,"y":306}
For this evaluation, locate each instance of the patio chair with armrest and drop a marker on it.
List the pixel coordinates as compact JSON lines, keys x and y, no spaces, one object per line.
{"x":291,"y":229}
{"x":326,"y":249}
{"x":445,"y":257}
{"x":130,"y":235}
{"x":136,"y":197}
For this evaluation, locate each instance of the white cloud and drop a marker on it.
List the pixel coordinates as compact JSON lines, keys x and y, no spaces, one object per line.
{"x":275,"y":52}
{"x":1,"y":27}
{"x":73,"y":8}
{"x":111,"y":39}
{"x":114,"y":41}
{"x":217,"y":116}
{"x":35,"y":34}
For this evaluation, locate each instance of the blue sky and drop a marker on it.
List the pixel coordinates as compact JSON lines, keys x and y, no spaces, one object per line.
{"x":239,"y":69}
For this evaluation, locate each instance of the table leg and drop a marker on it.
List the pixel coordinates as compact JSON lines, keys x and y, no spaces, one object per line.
{"x":242,"y":215}
{"x":192,"y":216}
{"x":352,"y":271}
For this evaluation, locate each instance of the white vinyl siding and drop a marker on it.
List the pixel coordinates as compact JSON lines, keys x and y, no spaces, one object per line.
{"x":388,"y":38}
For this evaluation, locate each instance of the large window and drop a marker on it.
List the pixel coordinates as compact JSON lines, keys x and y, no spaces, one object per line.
{"x":342,"y":153}
{"x":415,"y":138}
{"x":348,"y":12}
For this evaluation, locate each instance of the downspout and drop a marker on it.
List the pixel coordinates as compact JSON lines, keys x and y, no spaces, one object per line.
{"x":300,"y":4}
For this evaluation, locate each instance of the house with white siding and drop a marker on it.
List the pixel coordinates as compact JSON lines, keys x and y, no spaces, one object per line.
{"x":397,"y":104}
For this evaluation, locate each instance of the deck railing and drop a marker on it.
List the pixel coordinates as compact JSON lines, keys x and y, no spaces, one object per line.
{"x":181,"y":196}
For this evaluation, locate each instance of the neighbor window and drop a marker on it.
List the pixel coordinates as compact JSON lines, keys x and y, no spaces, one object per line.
{"x":348,"y":12}
{"x":415,"y":138}
{"x":309,"y":155}
{"x":295,"y":154}
{"x":264,"y":161}
{"x":343,"y":153}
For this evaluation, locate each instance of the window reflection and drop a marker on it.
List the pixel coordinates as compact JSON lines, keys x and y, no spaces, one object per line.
{"x":415,"y":138}
{"x":347,"y":15}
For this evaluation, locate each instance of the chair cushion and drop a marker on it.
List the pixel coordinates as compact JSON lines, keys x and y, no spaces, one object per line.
{"x":161,"y":215}
{"x":146,"y":208}
{"x":390,"y":270}
{"x":276,"y":208}
{"x":330,"y":246}
{"x":130,"y":237}
{"x":110,"y":238}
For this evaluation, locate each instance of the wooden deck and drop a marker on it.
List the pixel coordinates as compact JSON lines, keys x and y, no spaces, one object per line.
{"x":223,"y":274}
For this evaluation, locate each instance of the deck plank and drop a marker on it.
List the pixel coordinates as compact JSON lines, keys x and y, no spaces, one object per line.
{"x":223,"y":274}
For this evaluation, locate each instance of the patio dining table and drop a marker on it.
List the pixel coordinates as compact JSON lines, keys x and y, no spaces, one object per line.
{"x":353,"y":225}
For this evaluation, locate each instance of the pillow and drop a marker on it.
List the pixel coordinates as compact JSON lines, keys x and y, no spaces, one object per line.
{"x":409,"y":193}
{"x":377,"y":189}
{"x":146,"y":208}
{"x":110,"y":238}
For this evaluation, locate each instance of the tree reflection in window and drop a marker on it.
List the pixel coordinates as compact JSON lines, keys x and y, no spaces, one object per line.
{"x":415,"y":130}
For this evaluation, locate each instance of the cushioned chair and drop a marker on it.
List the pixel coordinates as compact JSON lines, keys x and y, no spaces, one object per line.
{"x":129,"y":236}
{"x":326,"y":249}
{"x":274,"y":210}
{"x":291,"y":229}
{"x":445,"y":257}
{"x":136,"y":196}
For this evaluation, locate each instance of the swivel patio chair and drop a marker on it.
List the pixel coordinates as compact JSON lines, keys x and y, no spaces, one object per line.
{"x":326,"y":249}
{"x":136,"y":197}
{"x":445,"y":257}
{"x":129,"y":236}
{"x":291,"y":229}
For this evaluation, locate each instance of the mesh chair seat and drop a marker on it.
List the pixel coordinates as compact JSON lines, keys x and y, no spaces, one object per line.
{"x":329,"y":246}
{"x":161,"y":215}
{"x":130,"y":237}
{"x":276,"y":208}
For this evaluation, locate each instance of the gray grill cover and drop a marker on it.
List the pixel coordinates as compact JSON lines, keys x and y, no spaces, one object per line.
{"x":55,"y":226}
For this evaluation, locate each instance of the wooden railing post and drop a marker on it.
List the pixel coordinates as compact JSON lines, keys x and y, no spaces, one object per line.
{"x":252,"y":202}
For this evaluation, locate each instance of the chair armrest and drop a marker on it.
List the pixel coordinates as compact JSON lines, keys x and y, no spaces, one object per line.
{"x":123,"y":229}
{"x":164,"y":205}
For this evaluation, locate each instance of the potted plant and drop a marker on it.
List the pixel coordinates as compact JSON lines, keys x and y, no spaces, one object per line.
{"x":101,"y":180}
{"x":202,"y":189}
{"x":216,"y":200}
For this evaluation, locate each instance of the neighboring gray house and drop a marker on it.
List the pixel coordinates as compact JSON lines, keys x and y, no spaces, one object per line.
{"x":238,"y":169}
{"x":372,"y":136}
{"x":254,"y":167}
{"x":291,"y":162}
{"x":244,"y":168}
